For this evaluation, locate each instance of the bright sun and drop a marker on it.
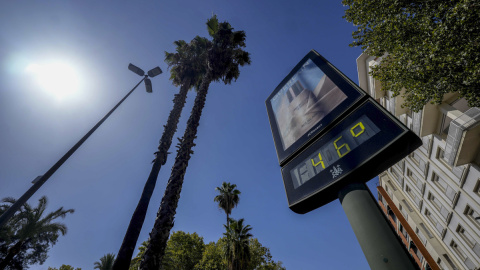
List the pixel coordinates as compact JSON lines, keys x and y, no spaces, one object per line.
{"x":57,"y":78}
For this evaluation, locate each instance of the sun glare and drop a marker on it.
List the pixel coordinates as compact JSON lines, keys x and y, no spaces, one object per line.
{"x":56,"y":78}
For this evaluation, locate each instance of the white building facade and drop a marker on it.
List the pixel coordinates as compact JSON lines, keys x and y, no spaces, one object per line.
{"x":432,"y":197}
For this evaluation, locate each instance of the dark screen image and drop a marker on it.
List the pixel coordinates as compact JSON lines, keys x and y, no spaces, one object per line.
{"x":303,"y":102}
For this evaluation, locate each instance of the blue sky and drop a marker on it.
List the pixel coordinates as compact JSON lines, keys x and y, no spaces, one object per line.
{"x":103,"y":180}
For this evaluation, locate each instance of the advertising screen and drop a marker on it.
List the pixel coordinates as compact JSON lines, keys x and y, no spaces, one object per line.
{"x":306,"y":101}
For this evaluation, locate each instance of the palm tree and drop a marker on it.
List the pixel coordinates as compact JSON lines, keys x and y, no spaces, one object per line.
{"x":30,"y":225}
{"x":228,"y":198}
{"x":224,"y":55}
{"x":185,"y":72}
{"x":135,"y":263}
{"x":106,"y":262}
{"x":237,"y":250}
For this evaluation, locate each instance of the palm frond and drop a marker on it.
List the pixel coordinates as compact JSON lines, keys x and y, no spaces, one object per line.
{"x":212,"y":25}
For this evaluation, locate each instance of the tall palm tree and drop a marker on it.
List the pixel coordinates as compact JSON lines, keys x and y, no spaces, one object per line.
{"x":237,"y":250}
{"x":228,"y":198}
{"x":186,"y":70}
{"x":224,"y":56}
{"x":105,"y":263}
{"x":30,"y":225}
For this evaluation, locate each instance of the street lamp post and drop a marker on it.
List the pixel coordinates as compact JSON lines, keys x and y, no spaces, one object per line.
{"x":39,"y":181}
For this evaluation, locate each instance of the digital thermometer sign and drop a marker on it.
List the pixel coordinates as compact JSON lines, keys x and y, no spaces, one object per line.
{"x":328,"y":134}
{"x":359,"y":147}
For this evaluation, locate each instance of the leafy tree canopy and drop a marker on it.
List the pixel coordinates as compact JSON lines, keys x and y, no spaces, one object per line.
{"x":430,"y":47}
{"x":212,"y":257}
{"x":183,"y":249}
{"x":261,"y":258}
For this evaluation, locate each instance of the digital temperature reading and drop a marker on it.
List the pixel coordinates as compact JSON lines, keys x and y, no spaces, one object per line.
{"x":343,"y":143}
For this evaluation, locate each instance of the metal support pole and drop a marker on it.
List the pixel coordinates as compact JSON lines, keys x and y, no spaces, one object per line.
{"x":381,"y":247}
{"x":24,"y":198}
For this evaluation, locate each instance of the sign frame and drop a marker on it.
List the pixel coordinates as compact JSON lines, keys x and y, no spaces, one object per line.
{"x":354,"y":95}
{"x":387,"y":150}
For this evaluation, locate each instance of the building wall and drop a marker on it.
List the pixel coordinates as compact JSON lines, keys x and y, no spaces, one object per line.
{"x":436,"y":188}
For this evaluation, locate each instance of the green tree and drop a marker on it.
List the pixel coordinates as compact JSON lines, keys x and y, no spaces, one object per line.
{"x":261,"y":258}
{"x":237,"y":245}
{"x":186,"y":69}
{"x":135,"y":263}
{"x":212,"y":257}
{"x":224,"y":55}
{"x":183,"y":252}
{"x":106,"y":262}
{"x":28,"y":235}
{"x":228,"y":198}
{"x":64,"y":267}
{"x":430,"y":48}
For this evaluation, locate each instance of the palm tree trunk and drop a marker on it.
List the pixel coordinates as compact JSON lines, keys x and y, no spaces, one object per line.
{"x":122,"y":262}
{"x":10,"y":254}
{"x":152,"y":258}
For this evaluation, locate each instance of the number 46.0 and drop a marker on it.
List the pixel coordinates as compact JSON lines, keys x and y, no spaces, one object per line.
{"x":338,"y":147}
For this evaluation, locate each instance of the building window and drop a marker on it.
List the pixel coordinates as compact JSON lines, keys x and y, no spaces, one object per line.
{"x":392,"y":185}
{"x":468,"y":238}
{"x":426,"y":230}
{"x":473,"y":215}
{"x":415,"y":158}
{"x":421,"y":236}
{"x":434,"y":221}
{"x":463,"y":256}
{"x":404,"y":213}
{"x":403,"y":231}
{"x":418,"y":183}
{"x":476,"y":189}
{"x":415,"y":197}
{"x":416,"y":251}
{"x":396,"y":176}
{"x":388,"y":190}
{"x":421,"y":164}
{"x":442,"y":184}
{"x":436,"y":202}
{"x":440,"y":153}
{"x":458,"y":250}
{"x":448,"y":260}
{"x":407,"y":205}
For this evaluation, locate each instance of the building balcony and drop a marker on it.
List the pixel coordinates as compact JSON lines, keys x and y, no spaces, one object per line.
{"x":371,"y":86}
{"x":463,"y":140}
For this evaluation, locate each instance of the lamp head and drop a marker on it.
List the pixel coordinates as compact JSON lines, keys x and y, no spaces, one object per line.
{"x":148,"y":85}
{"x":154,"y":72}
{"x":136,"y":70}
